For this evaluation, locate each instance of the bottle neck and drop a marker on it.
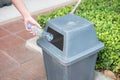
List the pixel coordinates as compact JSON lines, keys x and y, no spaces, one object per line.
{"x":47,"y":35}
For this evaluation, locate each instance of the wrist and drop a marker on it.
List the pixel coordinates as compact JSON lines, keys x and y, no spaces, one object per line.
{"x":26,"y":15}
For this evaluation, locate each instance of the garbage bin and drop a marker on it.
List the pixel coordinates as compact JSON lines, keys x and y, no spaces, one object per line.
{"x":72,"y":54}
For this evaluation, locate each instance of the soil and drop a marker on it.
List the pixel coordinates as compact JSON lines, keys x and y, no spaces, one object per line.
{"x":115,"y":76}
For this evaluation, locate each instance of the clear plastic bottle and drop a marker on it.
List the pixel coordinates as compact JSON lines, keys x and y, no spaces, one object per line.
{"x":40,"y":32}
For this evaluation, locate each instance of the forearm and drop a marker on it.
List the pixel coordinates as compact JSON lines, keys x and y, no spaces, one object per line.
{"x":25,"y":13}
{"x":21,"y":7}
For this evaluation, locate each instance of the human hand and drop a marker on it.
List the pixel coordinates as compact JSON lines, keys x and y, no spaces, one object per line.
{"x":32,"y":21}
{"x":19,"y":4}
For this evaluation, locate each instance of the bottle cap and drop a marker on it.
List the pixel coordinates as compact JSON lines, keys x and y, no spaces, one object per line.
{"x":28,"y":26}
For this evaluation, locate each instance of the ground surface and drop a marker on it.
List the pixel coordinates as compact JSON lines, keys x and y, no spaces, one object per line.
{"x":16,"y":61}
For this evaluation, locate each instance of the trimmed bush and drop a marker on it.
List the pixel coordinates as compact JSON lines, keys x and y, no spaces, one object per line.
{"x":105,"y":14}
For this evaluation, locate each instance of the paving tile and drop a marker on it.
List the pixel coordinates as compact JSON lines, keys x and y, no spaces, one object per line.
{"x":10,"y":42}
{"x":22,"y":54}
{"x":36,"y":68}
{"x":3,"y":33}
{"x":25,"y":34}
{"x":6,"y":62}
{"x":44,"y":78}
{"x":30,"y":70}
{"x":8,"y":78}
{"x":14,"y":26}
{"x":15,"y":47}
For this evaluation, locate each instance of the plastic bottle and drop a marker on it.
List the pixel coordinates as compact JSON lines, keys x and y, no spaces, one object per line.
{"x":40,"y":32}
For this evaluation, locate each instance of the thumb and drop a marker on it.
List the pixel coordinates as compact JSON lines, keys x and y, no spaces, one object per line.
{"x":38,"y":25}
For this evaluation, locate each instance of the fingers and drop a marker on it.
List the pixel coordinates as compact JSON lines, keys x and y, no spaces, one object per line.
{"x":32,"y":22}
{"x":35,"y":23}
{"x":33,"y":33}
{"x":38,"y":25}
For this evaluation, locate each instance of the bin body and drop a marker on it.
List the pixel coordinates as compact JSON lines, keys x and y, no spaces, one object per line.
{"x":80,"y":70}
{"x":72,"y":54}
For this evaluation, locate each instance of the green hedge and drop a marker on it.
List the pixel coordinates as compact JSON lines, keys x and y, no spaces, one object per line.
{"x":105,"y":14}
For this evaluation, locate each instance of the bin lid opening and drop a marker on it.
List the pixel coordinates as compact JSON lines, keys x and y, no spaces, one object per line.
{"x":57,"y":40}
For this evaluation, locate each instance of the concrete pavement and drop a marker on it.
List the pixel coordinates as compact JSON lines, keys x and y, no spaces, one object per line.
{"x":8,"y":13}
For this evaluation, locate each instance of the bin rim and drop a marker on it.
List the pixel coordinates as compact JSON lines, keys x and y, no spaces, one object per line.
{"x":70,"y":60}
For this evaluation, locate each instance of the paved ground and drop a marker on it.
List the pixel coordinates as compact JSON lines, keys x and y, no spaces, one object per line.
{"x":16,"y":61}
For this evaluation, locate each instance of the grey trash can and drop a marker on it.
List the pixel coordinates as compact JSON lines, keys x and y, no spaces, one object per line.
{"x":72,"y":54}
